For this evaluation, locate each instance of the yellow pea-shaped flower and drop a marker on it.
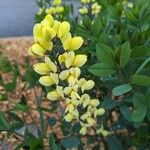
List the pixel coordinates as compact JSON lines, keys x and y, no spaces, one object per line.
{"x":50,"y":20}
{"x":46,"y":81}
{"x":54,"y":77}
{"x":90,"y":121}
{"x":56,"y":2}
{"x":83,"y":131}
{"x":51,"y":10}
{"x":76,"y":43}
{"x":41,"y":68}
{"x":94,"y":102}
{"x":88,"y":85}
{"x":64,"y":75}
{"x":48,"y":33}
{"x":37,"y":30}
{"x":68,"y":117}
{"x":48,"y":45}
{"x":53,"y":96}
{"x":56,"y":26}
{"x":100,"y":111}
{"x":59,"y":9}
{"x":50,"y":64}
{"x":79,"y":60}
{"x":73,"y":43}
{"x":71,"y":80}
{"x":37,"y":49}
{"x":64,"y":29}
{"x":70,"y":58}
{"x":62,"y":58}
{"x":83,"y":10}
{"x":75,"y":72}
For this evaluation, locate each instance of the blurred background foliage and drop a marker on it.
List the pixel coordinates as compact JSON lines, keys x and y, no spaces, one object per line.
{"x":117,"y":42}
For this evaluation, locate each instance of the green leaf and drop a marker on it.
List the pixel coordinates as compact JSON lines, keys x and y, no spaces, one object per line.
{"x":124,"y":54}
{"x":140,"y":51}
{"x":102,"y":69}
{"x":96,"y":26}
{"x":23,"y":108}
{"x":122,"y":89}
{"x":126,"y":112}
{"x":1,"y":81}
{"x":113,"y":143}
{"x":109,"y":104}
{"x":52,"y":142}
{"x":10,"y":86}
{"x":139,"y":114}
{"x":4,"y":125}
{"x":3,"y":97}
{"x":130,"y":15}
{"x":105,"y":54}
{"x":140,"y":103}
{"x":71,"y":142}
{"x":140,"y":80}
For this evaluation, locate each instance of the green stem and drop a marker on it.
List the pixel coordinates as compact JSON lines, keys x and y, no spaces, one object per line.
{"x":143,"y":65}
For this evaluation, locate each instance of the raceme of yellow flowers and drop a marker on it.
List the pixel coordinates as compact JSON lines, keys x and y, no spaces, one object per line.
{"x":61,"y":71}
{"x":56,"y":9}
{"x":89,"y":5}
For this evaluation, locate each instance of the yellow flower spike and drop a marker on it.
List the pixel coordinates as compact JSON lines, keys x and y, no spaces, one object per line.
{"x":46,"y":81}
{"x":64,"y":29}
{"x":83,"y":10}
{"x":64,"y":75}
{"x":79,"y":60}
{"x":56,"y":26}
{"x":37,"y":31}
{"x":90,"y":121}
{"x":83,"y":131}
{"x":50,"y":64}
{"x":75,"y":72}
{"x":37,"y":50}
{"x":41,"y":68}
{"x":70,"y":58}
{"x":48,"y":33}
{"x":94,"y":102}
{"x":54,"y":78}
{"x":87,"y":85}
{"x":56,"y":2}
{"x":53,"y":96}
{"x":71,"y":80}
{"x":68,"y":117}
{"x":48,"y":45}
